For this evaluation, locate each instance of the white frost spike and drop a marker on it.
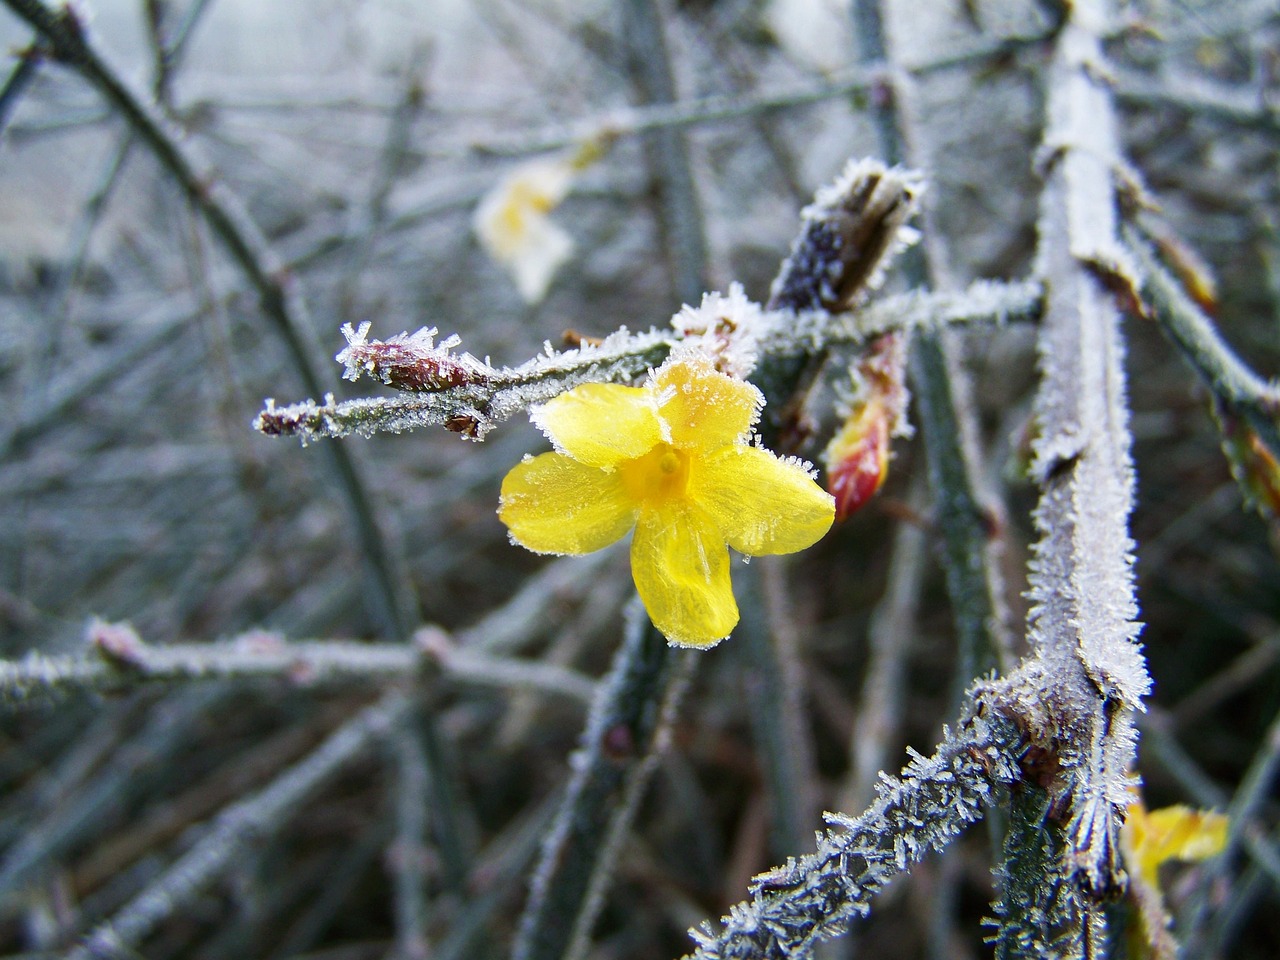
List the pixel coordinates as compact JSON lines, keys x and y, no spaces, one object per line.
{"x":728,"y":328}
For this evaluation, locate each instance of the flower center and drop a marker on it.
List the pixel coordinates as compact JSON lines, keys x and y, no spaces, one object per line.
{"x":661,"y":474}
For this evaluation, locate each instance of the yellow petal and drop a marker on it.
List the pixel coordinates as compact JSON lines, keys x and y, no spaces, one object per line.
{"x":761,"y":504}
{"x":1172,"y":833}
{"x":513,"y":226}
{"x":601,"y":424}
{"x":553,"y":504}
{"x":702,"y":407}
{"x":681,"y":568}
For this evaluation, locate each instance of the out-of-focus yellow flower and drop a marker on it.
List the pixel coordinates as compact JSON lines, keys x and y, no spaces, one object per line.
{"x":1150,"y":838}
{"x":672,"y":460}
{"x":515,"y":228}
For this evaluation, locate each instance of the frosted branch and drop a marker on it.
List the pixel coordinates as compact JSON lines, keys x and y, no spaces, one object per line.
{"x":120,"y":659}
{"x":460,"y":393}
{"x":624,"y":736}
{"x":1233,"y":383}
{"x":236,"y":828}
{"x":1091,"y":673}
{"x":469,"y":397}
{"x":814,"y":897}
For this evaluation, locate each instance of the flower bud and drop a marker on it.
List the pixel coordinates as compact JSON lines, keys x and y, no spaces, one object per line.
{"x":1252,"y":464}
{"x":413,"y":362}
{"x":857,"y":458}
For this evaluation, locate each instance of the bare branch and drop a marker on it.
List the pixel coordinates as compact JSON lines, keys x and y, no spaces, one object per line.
{"x":814,"y":897}
{"x":122,"y":660}
{"x":1088,"y":675}
{"x":67,"y":43}
{"x":235,"y":828}
{"x":624,"y":736}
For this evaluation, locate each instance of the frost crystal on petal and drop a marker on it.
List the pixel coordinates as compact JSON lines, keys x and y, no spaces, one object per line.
{"x":727,"y":328}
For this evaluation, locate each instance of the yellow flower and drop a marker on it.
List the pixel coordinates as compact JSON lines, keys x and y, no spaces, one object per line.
{"x":672,"y":460}
{"x":1149,"y":838}
{"x":515,"y":228}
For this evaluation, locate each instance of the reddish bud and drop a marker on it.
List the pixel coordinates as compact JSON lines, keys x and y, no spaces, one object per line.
{"x":858,"y":458}
{"x":409,"y":361}
{"x":1252,"y":464}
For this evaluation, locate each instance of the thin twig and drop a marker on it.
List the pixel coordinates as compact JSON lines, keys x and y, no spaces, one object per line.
{"x":267,"y":656}
{"x":15,"y":85}
{"x":666,"y":151}
{"x":67,"y":43}
{"x":624,"y":735}
{"x":236,"y":827}
{"x":1230,"y":379}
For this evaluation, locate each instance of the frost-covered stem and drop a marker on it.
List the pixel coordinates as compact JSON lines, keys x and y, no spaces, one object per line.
{"x":889,"y":636}
{"x":470,"y":397}
{"x":1237,"y":104}
{"x":15,"y":85}
{"x":408,"y":855}
{"x":623,"y":737}
{"x":666,"y":151}
{"x":713,"y":109}
{"x":459,"y":392}
{"x":983,"y":301}
{"x":1040,"y":910}
{"x":234,"y":829}
{"x":265,"y":656}
{"x":772,"y":686}
{"x":814,"y":897}
{"x":1089,"y":675}
{"x":67,"y":43}
{"x":1232,"y":381}
{"x":947,"y":421}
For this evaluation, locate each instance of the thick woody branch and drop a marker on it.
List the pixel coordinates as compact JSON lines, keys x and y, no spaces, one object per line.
{"x":1089,"y":675}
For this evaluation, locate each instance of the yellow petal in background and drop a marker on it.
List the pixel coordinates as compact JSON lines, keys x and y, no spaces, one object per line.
{"x":681,"y":568}
{"x":553,"y":504}
{"x":761,"y":504}
{"x":601,"y":424}
{"x":513,"y":225}
{"x":703,"y":407}
{"x":1171,"y":833}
